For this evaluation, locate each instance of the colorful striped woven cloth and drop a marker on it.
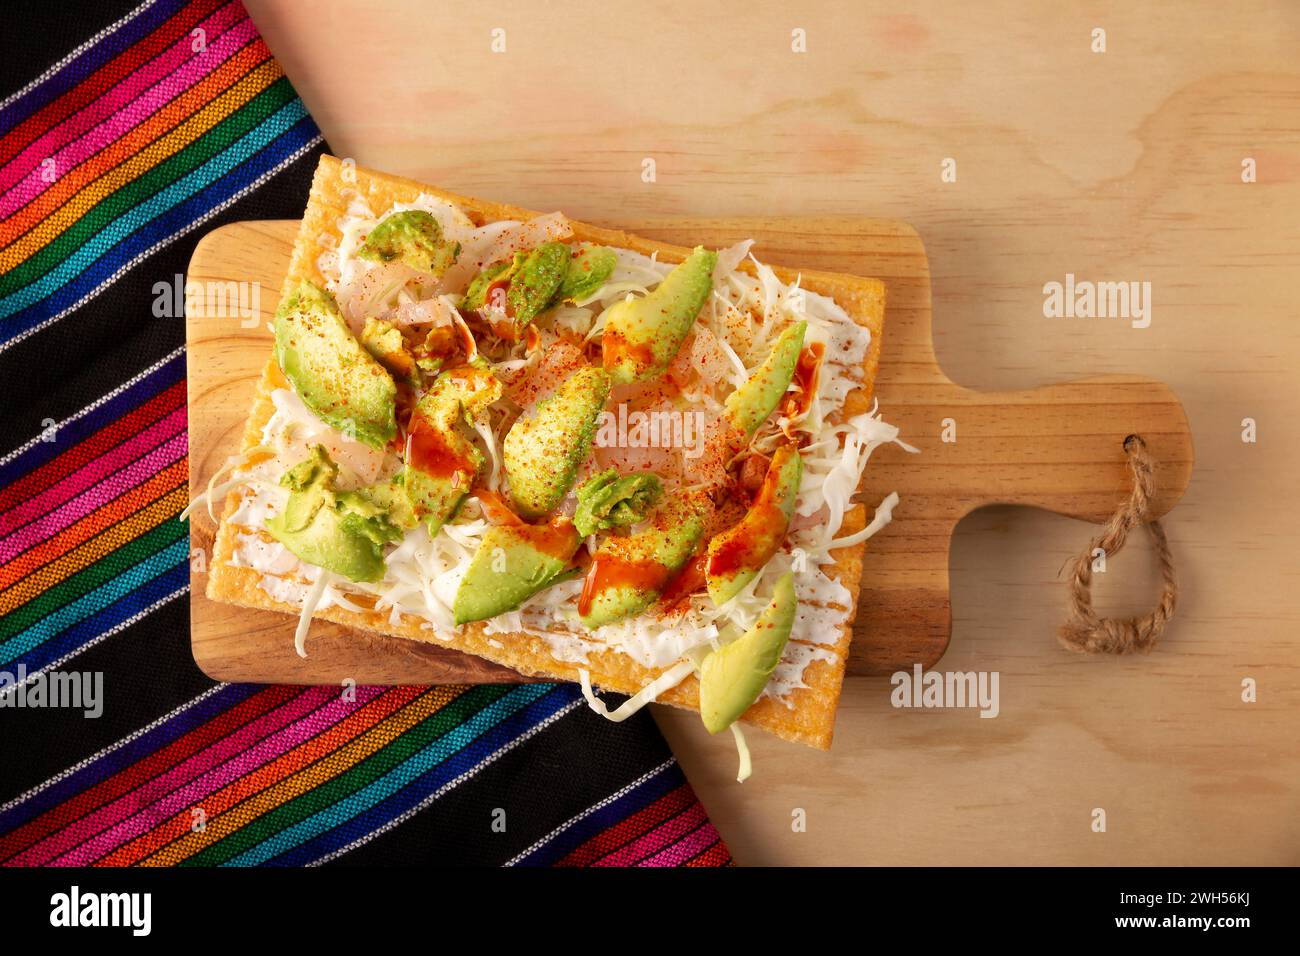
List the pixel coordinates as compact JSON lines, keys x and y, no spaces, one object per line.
{"x":165,"y":119}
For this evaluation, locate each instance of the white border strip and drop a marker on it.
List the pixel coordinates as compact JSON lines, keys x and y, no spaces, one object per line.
{"x":616,"y":795}
{"x":51,"y":71}
{"x":108,"y":397}
{"x":116,"y":745}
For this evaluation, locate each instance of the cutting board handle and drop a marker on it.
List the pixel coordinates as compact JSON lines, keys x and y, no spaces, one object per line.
{"x":1061,"y":447}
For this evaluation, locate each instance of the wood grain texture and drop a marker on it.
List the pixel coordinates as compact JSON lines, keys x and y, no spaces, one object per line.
{"x":1056,"y":447}
{"x":1123,"y":165}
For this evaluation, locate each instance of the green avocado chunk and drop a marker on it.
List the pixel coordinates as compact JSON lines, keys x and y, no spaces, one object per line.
{"x":749,"y":406}
{"x":512,"y":564}
{"x":341,"y":531}
{"x":588,"y":271}
{"x":542,"y":453}
{"x":535,"y":283}
{"x":606,"y":501}
{"x":475,"y":296}
{"x":413,"y":237}
{"x":391,"y":497}
{"x":737,"y":555}
{"x":384,"y":341}
{"x":334,"y":376}
{"x":642,"y":336}
{"x":441,"y":462}
{"x":732,"y":677}
{"x":629,"y":572}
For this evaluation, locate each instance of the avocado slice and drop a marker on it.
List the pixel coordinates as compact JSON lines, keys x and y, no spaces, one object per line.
{"x":476,"y":295}
{"x":343,"y":532}
{"x":384,"y":341}
{"x":737,"y":555}
{"x":732,"y":677}
{"x":629,"y":572}
{"x":413,"y":237}
{"x":512,"y":564}
{"x":642,"y":336}
{"x":333,"y":375}
{"x":606,"y":501}
{"x":441,"y":462}
{"x":749,"y":406}
{"x":531,"y":280}
{"x":409,"y":358}
{"x":391,"y":498}
{"x":542,"y":453}
{"x":588,"y":271}
{"x":537,"y":280}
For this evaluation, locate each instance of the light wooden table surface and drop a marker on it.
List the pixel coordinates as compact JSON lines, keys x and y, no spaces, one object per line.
{"x":1122,"y":165}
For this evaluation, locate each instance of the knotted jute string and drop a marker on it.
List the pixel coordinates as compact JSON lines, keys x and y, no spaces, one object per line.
{"x":1087,"y":633}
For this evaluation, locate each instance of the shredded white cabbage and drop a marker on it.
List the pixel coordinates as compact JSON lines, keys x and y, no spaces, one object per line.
{"x":490,"y":443}
{"x":309,"y":602}
{"x":213,"y":492}
{"x":741,"y":372}
{"x":646,"y":695}
{"x":884,"y":514}
{"x":742,"y":749}
{"x":472,"y":351}
{"x":729,"y":259}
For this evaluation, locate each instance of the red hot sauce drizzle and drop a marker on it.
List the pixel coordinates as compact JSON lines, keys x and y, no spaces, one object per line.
{"x":687,"y":581}
{"x":806,"y":374}
{"x":559,"y":538}
{"x":752,"y":539}
{"x":616,"y":348}
{"x":750,"y":544}
{"x":612,"y":571}
{"x":495,"y":508}
{"x":427,"y":451}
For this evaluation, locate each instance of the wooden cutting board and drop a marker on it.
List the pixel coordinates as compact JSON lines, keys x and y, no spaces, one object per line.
{"x":1058,"y":447}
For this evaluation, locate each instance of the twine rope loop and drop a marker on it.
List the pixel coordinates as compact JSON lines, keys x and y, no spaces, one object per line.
{"x":1086,"y":632}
